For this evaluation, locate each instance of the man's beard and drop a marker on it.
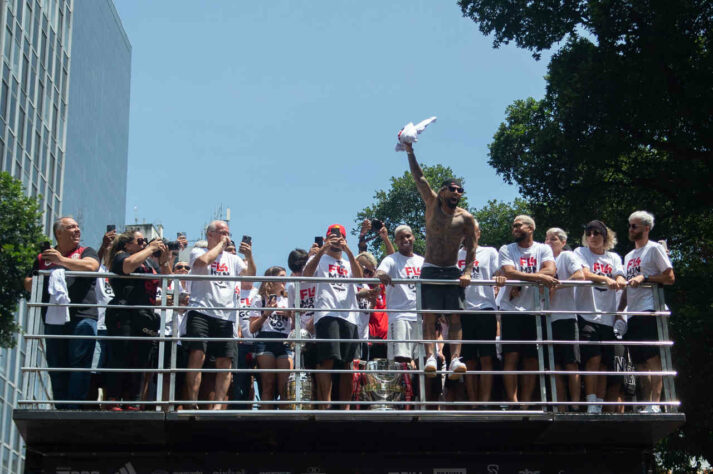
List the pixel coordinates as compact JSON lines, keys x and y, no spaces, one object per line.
{"x":520,"y":237}
{"x":636,"y":236}
{"x":452,"y":203}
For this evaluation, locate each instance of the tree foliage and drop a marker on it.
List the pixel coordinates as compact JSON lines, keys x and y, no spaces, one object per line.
{"x":626,"y":123}
{"x":20,"y":235}
{"x":495,"y":221}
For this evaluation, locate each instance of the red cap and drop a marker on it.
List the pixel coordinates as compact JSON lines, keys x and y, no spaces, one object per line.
{"x":341,"y":229}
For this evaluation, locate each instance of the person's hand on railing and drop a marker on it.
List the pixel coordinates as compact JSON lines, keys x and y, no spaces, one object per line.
{"x":636,"y":281}
{"x":500,"y":280}
{"x":465,"y":279}
{"x":384,"y":278}
{"x":547,"y":280}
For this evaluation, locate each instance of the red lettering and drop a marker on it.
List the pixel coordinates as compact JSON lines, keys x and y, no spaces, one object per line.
{"x":307,"y":292}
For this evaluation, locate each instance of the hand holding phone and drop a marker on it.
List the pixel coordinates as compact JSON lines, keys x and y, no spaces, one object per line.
{"x":319,"y":240}
{"x":110,"y":227}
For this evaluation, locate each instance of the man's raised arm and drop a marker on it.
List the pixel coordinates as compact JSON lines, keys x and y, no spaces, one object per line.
{"x":428,"y":195}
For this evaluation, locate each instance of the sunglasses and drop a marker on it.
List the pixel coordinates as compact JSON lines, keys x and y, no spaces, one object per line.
{"x":456,"y":189}
{"x":592,"y":232}
{"x":366,"y":271}
{"x":634,"y":226}
{"x":181,"y":267}
{"x":142,"y":241}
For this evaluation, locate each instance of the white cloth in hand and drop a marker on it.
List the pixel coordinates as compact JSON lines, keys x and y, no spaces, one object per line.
{"x":410,"y":132}
{"x":620,"y":328}
{"x":59,"y":296}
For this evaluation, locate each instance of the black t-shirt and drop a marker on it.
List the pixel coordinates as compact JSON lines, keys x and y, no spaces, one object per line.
{"x":132,"y":291}
{"x":81,"y":290}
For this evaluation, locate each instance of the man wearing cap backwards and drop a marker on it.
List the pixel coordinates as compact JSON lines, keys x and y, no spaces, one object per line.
{"x":329,"y":262}
{"x":447,"y":227}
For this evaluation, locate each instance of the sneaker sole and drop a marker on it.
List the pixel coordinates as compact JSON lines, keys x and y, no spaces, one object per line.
{"x":457,"y":373}
{"x":430,"y":371}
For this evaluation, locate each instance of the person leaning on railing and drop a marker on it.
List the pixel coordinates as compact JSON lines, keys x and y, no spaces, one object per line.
{"x":569,"y":267}
{"x":647,"y":263}
{"x":130,"y":254}
{"x":74,"y":353}
{"x":269,"y":320}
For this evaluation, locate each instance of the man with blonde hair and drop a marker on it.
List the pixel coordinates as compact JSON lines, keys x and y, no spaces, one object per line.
{"x":647,"y":263}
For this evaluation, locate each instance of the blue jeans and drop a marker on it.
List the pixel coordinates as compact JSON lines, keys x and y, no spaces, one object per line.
{"x":72,"y":353}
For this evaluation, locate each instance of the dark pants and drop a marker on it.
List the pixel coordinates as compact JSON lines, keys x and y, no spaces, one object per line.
{"x":241,"y":381}
{"x":73,"y":353}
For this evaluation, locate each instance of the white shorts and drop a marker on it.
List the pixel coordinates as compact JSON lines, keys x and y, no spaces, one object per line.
{"x":403,"y":330}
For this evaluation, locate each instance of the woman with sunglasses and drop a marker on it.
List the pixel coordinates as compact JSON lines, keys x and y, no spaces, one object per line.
{"x":268,"y":320}
{"x":129,"y":254}
{"x":371,"y":296}
{"x":600,"y":265}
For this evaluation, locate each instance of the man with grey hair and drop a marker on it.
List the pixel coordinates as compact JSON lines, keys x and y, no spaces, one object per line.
{"x":647,"y":263}
{"x":524,"y":260}
{"x":403,"y":264}
{"x":75,"y":353}
{"x":204,"y":322}
{"x":447,"y":227}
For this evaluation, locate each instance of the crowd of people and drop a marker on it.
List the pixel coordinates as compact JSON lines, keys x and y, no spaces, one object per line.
{"x":229,"y":325}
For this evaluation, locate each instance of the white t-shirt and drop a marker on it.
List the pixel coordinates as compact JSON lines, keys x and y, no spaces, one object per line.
{"x":598,"y":298}
{"x":649,"y":260}
{"x":484,"y":267}
{"x":363,"y":320}
{"x":335,"y":295}
{"x":278,"y":321}
{"x":206,"y":294}
{"x":400,"y":296}
{"x":245,"y":301}
{"x":563,"y":299}
{"x":104,"y":295}
{"x":528,"y":260}
{"x":307,"y":296}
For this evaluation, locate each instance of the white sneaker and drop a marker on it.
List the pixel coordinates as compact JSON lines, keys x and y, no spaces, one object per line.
{"x":431,"y":366}
{"x":593,"y":409}
{"x":456,"y":369}
{"x":650,"y":409}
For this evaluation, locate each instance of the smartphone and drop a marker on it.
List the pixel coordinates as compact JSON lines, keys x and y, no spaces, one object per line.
{"x":376,"y":225}
{"x":247,"y":239}
{"x":319,"y":240}
{"x":272,"y":299}
{"x":336,"y":232}
{"x":110,"y":227}
{"x":46,"y":245}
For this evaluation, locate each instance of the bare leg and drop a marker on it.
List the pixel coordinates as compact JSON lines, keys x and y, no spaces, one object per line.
{"x":324,"y":382}
{"x":346,"y":388}
{"x":486,"y":380}
{"x":471,"y":382}
{"x":561,"y":392}
{"x":282,"y":377}
{"x":528,"y":381}
{"x":510,"y":380}
{"x":613,"y":395}
{"x":193,"y":379}
{"x":455,"y":332}
{"x":656,"y":381}
{"x":222,"y":381}
{"x":591,"y":381}
{"x":429,"y":332}
{"x":575,"y":384}
{"x":267,"y":380}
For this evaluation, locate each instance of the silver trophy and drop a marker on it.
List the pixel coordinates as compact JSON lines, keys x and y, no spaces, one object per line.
{"x":383,"y":386}
{"x":303,"y":379}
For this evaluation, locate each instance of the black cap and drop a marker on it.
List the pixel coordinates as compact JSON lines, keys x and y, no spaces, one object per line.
{"x":450,"y":181}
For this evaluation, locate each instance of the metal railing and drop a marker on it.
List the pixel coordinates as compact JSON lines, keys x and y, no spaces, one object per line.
{"x":298,"y":402}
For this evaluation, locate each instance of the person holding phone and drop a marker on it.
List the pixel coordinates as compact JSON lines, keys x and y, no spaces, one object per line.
{"x":203,"y":321}
{"x":75,"y":353}
{"x":329,"y":262}
{"x":268,"y":319}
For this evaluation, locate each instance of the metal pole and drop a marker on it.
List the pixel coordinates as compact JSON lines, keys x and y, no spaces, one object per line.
{"x":161,"y":342}
{"x":174,"y":343}
{"x":421,"y":347}
{"x":540,"y":355}
{"x":298,"y":347}
{"x":550,"y":350}
{"x":31,"y":344}
{"x":664,"y":352}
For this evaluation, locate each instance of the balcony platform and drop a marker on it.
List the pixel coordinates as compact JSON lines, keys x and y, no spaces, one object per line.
{"x":337,"y":441}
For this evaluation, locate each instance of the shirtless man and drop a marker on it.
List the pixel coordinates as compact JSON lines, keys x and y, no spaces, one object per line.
{"x":447,"y":227}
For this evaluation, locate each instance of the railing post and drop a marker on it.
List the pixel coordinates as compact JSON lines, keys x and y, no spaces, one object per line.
{"x":174,"y":343}
{"x":550,"y":349}
{"x":669,"y":390}
{"x":421,"y":347}
{"x":161,"y":342}
{"x":298,"y":348}
{"x":32,"y":328}
{"x":540,"y":355}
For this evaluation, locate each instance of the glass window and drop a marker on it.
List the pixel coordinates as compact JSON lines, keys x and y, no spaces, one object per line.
{"x":5,"y":167}
{"x":8,"y":44}
{"x":4,"y":92}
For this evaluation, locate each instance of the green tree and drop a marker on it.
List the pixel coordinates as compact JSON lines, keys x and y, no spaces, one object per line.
{"x":20,"y":235}
{"x":626,"y":123}
{"x":402,"y":204}
{"x":495,"y":219}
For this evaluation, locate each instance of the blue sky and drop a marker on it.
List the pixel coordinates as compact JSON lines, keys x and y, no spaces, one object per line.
{"x":287,"y":111}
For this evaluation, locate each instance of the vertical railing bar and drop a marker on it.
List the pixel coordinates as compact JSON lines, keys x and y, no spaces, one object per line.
{"x":421,"y":348}
{"x":550,"y":349}
{"x":174,"y":343}
{"x":298,"y":347}
{"x":30,"y":343}
{"x":161,"y":341}
{"x":540,"y":355}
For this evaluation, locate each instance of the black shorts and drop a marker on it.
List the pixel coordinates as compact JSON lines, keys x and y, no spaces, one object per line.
{"x":589,"y":331}
{"x":206,"y":327}
{"x":278,"y":349}
{"x":564,"y":330}
{"x":519,"y":327}
{"x":330,"y":327}
{"x":478,"y":326}
{"x":442,"y":298}
{"x":642,"y":328}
